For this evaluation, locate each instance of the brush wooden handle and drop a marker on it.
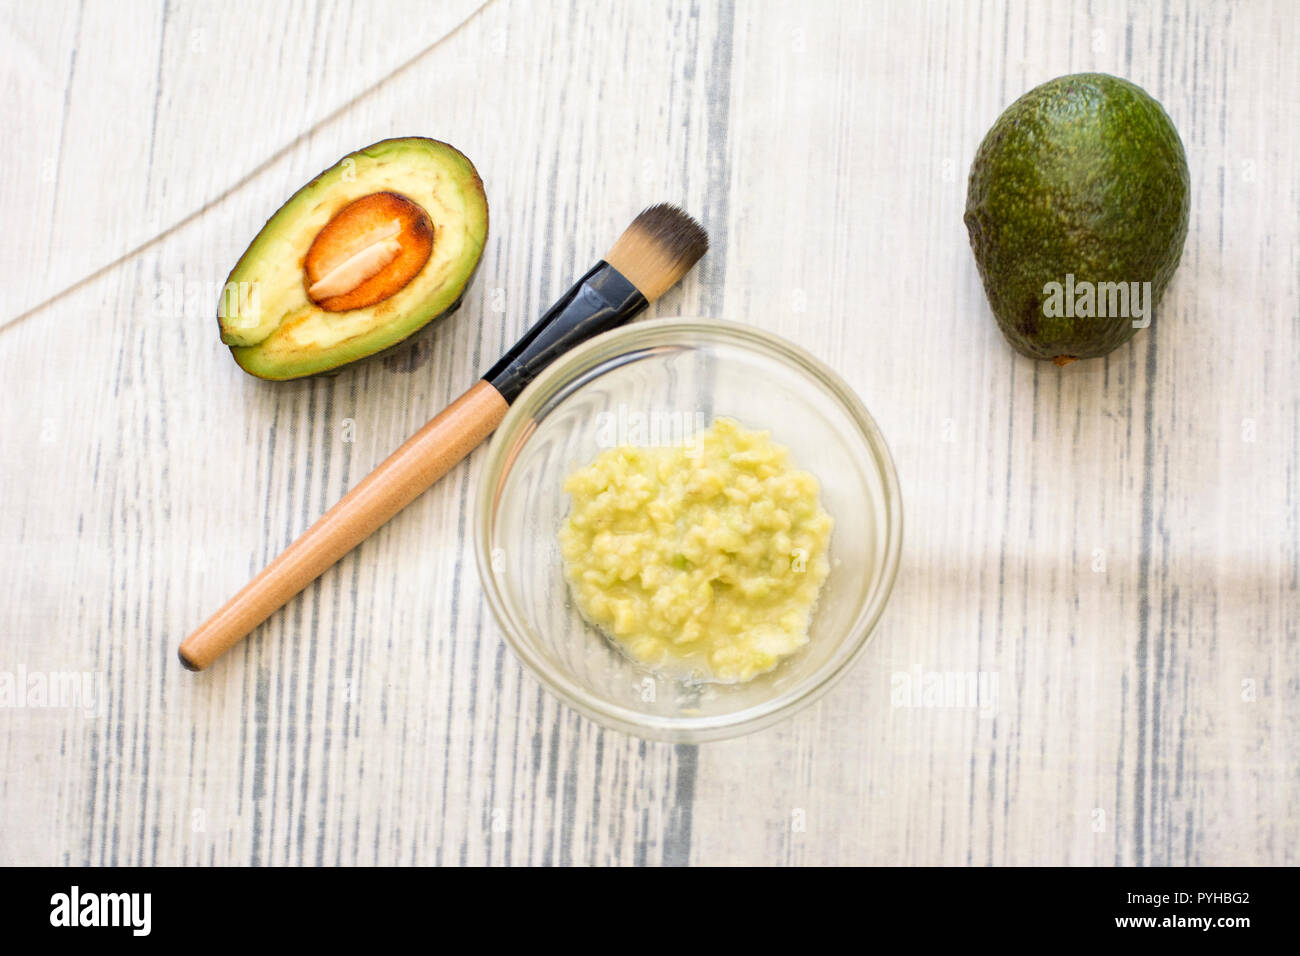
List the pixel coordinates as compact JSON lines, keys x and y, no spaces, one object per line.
{"x":404,"y":475}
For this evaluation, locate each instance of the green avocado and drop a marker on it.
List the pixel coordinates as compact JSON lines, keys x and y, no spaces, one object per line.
{"x":1077,"y":210}
{"x":365,"y":255}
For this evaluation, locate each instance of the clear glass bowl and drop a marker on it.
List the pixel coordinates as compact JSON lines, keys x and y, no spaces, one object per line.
{"x":679,"y":373}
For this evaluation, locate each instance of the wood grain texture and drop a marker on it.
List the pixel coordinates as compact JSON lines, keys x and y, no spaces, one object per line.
{"x":441,"y":444}
{"x":1117,"y":542}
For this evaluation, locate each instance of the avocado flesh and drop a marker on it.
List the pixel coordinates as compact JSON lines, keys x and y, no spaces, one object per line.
{"x":1083,"y":176}
{"x":281,"y":334}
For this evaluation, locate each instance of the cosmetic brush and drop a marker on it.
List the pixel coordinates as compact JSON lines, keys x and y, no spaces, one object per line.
{"x":648,"y":259}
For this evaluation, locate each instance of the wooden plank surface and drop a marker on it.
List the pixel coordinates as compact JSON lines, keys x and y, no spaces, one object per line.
{"x":1113,"y":545}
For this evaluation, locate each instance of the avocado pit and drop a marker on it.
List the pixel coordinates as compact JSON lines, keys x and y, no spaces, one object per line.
{"x":368,"y":252}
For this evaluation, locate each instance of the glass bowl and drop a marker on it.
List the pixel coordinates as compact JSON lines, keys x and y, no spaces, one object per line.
{"x":647,"y":383}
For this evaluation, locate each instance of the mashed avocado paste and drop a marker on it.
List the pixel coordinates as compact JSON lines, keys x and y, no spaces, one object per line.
{"x":703,"y":560}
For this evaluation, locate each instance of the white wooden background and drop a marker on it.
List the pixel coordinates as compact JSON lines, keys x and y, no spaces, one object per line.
{"x":1116,"y":541}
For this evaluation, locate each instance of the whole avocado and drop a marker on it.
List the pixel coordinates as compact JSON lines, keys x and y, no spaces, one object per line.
{"x":1078,"y":196}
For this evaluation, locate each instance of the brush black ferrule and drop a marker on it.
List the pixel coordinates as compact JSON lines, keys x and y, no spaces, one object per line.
{"x":601,"y":300}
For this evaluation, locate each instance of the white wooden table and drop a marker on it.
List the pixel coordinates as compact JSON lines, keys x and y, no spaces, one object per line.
{"x":1115,"y":543}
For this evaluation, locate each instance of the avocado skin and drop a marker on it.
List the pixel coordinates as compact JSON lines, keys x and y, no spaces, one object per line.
{"x":1083,"y":175}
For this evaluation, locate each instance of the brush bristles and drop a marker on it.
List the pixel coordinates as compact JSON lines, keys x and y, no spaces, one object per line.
{"x":658,"y":249}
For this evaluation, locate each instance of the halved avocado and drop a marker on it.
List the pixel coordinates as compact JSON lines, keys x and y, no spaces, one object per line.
{"x":366,"y":254}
